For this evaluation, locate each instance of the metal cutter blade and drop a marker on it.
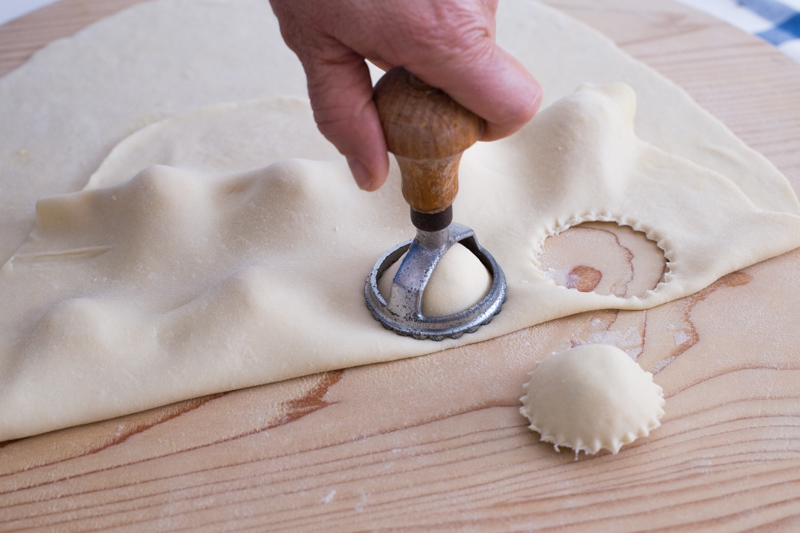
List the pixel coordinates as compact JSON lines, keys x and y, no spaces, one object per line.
{"x":403,"y":312}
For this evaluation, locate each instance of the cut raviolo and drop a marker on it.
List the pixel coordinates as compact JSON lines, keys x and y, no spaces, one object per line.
{"x":193,"y":263}
{"x":592,"y":397}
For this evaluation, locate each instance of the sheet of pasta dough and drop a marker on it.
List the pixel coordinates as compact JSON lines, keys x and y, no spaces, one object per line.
{"x":240,"y":258}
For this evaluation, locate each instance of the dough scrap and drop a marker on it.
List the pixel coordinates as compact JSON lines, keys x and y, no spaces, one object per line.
{"x":592,"y":397}
{"x":207,"y":273}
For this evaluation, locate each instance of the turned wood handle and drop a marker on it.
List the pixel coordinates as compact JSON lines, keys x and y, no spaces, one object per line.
{"x":427,"y":131}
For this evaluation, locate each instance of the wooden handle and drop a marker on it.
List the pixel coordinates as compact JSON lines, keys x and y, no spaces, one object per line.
{"x":427,"y":131}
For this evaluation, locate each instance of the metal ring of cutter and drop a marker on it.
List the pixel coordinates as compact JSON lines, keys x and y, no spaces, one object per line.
{"x":403,"y":312}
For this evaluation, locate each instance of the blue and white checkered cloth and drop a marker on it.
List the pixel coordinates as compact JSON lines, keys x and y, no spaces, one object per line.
{"x":775,"y":21}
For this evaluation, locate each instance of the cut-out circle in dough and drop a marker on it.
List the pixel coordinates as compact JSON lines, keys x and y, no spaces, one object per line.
{"x":592,"y":397}
{"x":458,"y":282}
{"x":604,"y":258}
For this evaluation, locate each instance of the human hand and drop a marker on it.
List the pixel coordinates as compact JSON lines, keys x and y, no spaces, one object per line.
{"x":450,"y":44}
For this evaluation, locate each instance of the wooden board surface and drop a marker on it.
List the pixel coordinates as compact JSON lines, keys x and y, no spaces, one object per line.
{"x":437,"y":442}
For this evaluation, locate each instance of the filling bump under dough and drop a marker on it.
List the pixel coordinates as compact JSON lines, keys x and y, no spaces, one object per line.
{"x":458,"y":282}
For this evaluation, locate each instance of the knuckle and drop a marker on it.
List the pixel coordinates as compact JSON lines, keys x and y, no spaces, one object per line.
{"x":437,"y":31}
{"x":335,"y":120}
{"x":462,"y":37}
{"x":330,"y":121}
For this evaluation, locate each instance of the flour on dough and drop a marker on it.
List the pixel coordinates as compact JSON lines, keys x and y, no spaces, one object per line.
{"x":210,"y":253}
{"x":592,"y":397}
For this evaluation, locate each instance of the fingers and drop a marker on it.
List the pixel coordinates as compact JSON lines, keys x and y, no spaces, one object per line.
{"x":463,"y":59}
{"x":447,"y":43}
{"x":339,"y":86}
{"x":340,"y":91}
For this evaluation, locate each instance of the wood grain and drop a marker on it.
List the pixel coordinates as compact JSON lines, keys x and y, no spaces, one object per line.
{"x":427,"y":131}
{"x":437,"y":443}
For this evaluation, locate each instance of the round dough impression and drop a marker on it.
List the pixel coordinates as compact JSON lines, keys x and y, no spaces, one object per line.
{"x":591,"y":397}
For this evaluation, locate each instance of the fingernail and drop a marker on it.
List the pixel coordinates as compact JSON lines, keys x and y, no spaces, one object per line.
{"x":360,"y":173}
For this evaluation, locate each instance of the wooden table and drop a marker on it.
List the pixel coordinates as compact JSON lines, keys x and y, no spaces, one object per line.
{"x":437,"y":442}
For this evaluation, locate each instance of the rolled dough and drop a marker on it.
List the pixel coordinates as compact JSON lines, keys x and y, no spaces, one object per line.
{"x":209,"y":252}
